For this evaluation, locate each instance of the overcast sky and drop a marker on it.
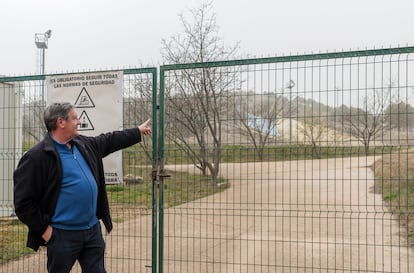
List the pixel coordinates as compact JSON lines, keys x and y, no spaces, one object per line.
{"x":112,"y":34}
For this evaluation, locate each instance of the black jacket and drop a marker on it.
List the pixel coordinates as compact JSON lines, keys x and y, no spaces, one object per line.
{"x":39,"y":173}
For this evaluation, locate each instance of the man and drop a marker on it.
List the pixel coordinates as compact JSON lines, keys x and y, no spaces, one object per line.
{"x":59,"y":190}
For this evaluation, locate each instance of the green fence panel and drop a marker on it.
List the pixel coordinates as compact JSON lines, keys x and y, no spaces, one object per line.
{"x":288,"y":164}
{"x":131,"y":247}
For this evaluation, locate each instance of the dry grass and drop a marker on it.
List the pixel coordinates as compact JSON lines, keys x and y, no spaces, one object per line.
{"x":12,"y":240}
{"x":394,"y":175}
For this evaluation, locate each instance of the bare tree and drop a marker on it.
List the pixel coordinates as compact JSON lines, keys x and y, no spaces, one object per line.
{"x":367,"y":123}
{"x":259,"y":118}
{"x":33,"y":125}
{"x":137,"y":94}
{"x":313,"y":129}
{"x":195,"y":98}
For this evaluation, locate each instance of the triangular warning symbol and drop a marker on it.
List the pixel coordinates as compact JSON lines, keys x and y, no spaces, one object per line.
{"x":85,"y":123}
{"x":84,"y":100}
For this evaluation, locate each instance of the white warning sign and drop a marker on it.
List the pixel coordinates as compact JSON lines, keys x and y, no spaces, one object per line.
{"x":98,"y":100}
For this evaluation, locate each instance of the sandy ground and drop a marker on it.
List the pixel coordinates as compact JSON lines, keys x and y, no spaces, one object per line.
{"x":300,"y":216}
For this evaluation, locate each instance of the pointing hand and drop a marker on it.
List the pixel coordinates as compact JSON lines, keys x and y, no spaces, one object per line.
{"x":144,"y":128}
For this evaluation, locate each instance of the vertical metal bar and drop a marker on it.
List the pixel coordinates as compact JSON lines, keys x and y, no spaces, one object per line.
{"x":161,"y":170}
{"x":154,"y":170}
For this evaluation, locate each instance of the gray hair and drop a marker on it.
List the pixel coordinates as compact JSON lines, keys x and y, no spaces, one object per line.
{"x":54,"y":111}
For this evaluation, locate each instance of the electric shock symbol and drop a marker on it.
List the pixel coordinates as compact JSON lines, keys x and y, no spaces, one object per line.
{"x":85,"y":123}
{"x":84,"y":100}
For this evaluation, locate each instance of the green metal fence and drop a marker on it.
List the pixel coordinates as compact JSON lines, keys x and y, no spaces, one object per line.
{"x":286,"y":164}
{"x":133,"y":209}
{"x":274,"y":159}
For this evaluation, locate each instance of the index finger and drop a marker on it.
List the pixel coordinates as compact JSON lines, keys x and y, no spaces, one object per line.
{"x":147,"y":121}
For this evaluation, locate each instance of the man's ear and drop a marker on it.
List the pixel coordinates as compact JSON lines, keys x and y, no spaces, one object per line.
{"x":60,"y":122}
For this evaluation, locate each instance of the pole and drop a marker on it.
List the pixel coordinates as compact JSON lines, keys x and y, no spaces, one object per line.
{"x":43,"y":72}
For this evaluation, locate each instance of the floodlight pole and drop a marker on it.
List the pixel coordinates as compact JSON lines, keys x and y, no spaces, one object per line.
{"x":41,"y":41}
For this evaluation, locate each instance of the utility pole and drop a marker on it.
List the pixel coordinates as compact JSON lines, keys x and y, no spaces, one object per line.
{"x":289,"y":86}
{"x":41,"y":41}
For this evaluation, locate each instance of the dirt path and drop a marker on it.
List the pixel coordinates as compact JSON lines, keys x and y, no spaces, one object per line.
{"x":301,"y":216}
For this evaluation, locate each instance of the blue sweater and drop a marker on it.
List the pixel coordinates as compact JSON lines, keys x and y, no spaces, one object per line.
{"x":77,"y":199}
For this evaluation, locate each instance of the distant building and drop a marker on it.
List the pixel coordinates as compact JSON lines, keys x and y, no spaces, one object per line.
{"x":262,"y":125}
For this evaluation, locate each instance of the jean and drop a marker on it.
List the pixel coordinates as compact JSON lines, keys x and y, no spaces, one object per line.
{"x":67,"y":246}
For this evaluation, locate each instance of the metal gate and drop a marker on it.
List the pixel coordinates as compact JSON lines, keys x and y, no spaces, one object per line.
{"x":287,"y":164}
{"x":132,"y":203}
